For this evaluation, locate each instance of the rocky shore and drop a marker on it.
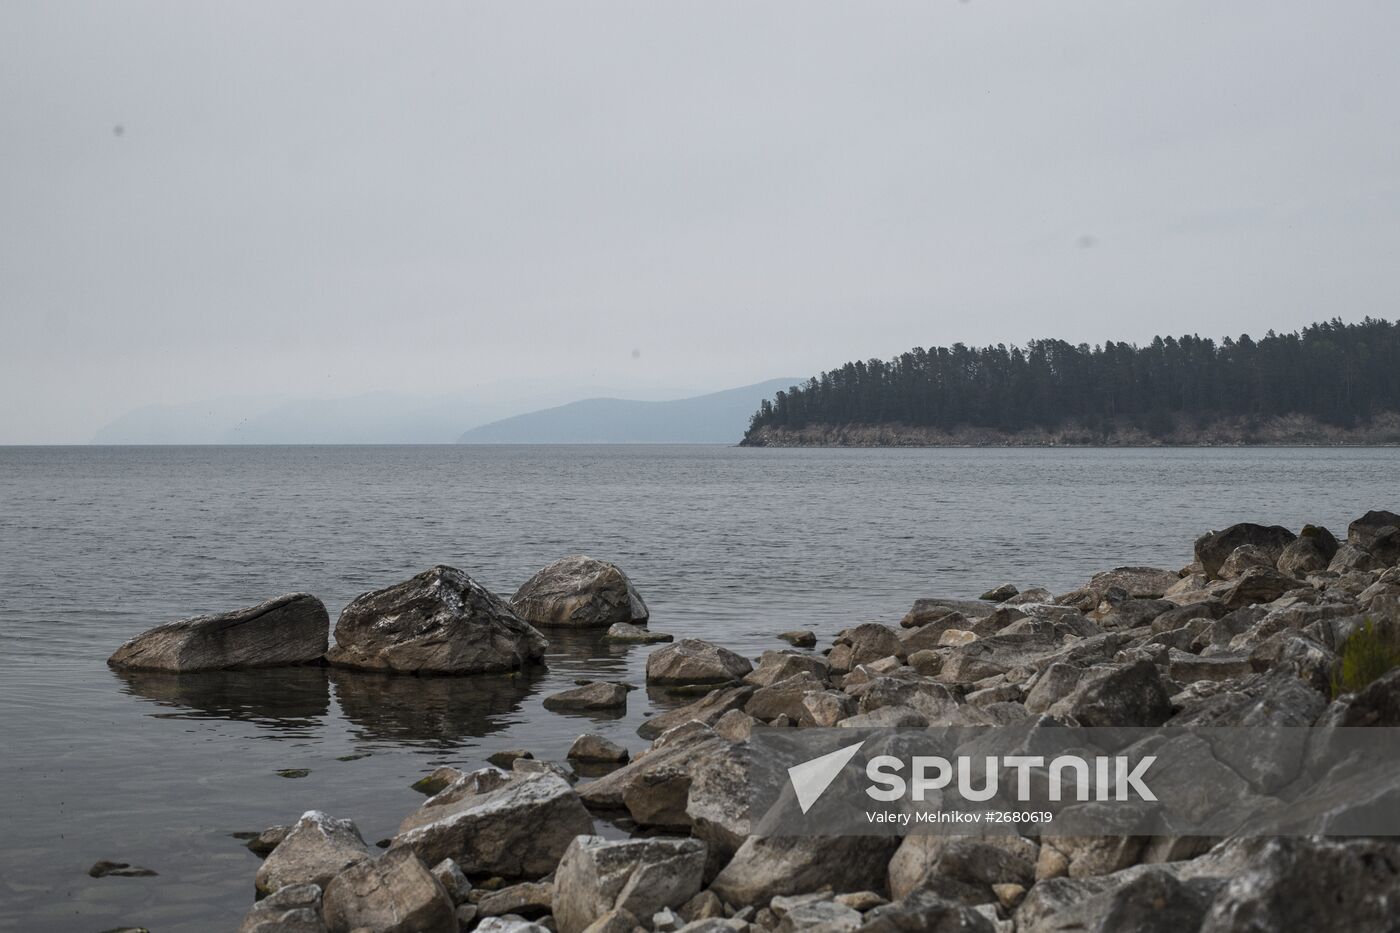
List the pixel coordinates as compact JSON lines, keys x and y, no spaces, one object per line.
{"x":1264,"y":627}
{"x":1295,"y":430}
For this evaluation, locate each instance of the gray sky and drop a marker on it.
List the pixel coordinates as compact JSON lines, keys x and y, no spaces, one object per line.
{"x":322,"y":199}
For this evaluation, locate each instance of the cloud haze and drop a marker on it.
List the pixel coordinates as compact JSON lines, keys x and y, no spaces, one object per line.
{"x":328,"y":199}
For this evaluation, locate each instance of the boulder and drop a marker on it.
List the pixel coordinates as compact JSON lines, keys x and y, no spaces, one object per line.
{"x":1350,"y":558}
{"x":783,"y":698}
{"x":1371,"y":527}
{"x":780,"y":665}
{"x":1128,"y":695}
{"x":595,"y":697}
{"x":316,"y":850}
{"x":393,"y":894}
{"x":930,"y":611}
{"x":295,"y":908}
{"x":1137,"y":582}
{"x":671,"y":760}
{"x":998,"y":594}
{"x":1259,"y":585}
{"x":1247,"y":557}
{"x":641,"y":876}
{"x":596,"y":748}
{"x":264,"y":842}
{"x":439,"y":622}
{"x":449,"y":874}
{"x":290,"y":629}
{"x":579,"y":592}
{"x":927,"y":912}
{"x":1311,"y":553}
{"x":1320,"y":885}
{"x":1143,"y":900}
{"x":922,"y":861}
{"x":799,"y":638}
{"x":518,"y":830}
{"x":1214,"y":548}
{"x":627,"y":633}
{"x":692,"y":662}
{"x":869,"y":641}
{"x":708,"y":710}
{"x":766,"y":867}
{"x":528,"y":899}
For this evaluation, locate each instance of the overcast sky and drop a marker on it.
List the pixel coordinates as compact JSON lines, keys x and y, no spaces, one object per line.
{"x":321,"y":199}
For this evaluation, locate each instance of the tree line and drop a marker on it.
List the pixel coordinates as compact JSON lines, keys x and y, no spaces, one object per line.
{"x":1339,"y":373}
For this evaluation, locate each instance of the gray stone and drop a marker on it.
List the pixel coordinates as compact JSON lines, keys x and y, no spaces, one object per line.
{"x":529,"y":899}
{"x":595,"y":697}
{"x":799,"y":638}
{"x":1137,"y":582}
{"x":692,"y":662}
{"x":449,"y":875}
{"x":1214,"y":548}
{"x":590,"y":747}
{"x":1259,"y":585}
{"x":316,"y":850}
{"x":519,"y":830}
{"x":264,"y":842}
{"x":295,"y":908}
{"x":926,"y":912}
{"x":1131,"y":695}
{"x":290,"y":629}
{"x":1370,"y":528}
{"x":628,"y":633}
{"x":708,"y":710}
{"x":641,"y":876}
{"x":1001,"y":593}
{"x":439,"y":622}
{"x":765,"y":867}
{"x":579,"y":592}
{"x":438,"y":780}
{"x":393,"y":894}
{"x":780,"y":665}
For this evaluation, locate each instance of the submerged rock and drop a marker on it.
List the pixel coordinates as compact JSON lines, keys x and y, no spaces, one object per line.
{"x":287,"y":630}
{"x":316,"y":850}
{"x":595,"y":697}
{"x":628,"y":633}
{"x":579,"y":592}
{"x":103,"y":868}
{"x":799,"y":638}
{"x":640,"y":876}
{"x":439,"y":622}
{"x":596,"y":748}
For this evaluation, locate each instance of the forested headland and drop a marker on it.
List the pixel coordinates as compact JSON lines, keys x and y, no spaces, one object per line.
{"x":1330,"y":383}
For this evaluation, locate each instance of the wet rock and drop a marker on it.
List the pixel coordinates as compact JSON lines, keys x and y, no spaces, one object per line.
{"x":780,"y":665}
{"x":799,"y":638}
{"x":931,"y":611}
{"x":626,"y":632}
{"x":765,"y":867}
{"x":1214,"y":548}
{"x":1001,"y":593}
{"x":519,"y":830}
{"x":507,"y":756}
{"x":579,"y":592}
{"x":264,"y":842}
{"x":691,"y":662}
{"x":641,"y":876}
{"x":449,"y":874}
{"x":530,"y":900}
{"x":295,"y":908}
{"x":439,"y":622}
{"x":595,"y":697}
{"x":438,"y":780}
{"x":708,"y":709}
{"x":1131,"y":695}
{"x":589,"y":747}
{"x":289,"y":629}
{"x":392,"y":894}
{"x":316,"y":850}
{"x":104,"y":868}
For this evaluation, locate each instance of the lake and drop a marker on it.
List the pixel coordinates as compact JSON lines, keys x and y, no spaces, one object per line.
{"x":729,"y":544}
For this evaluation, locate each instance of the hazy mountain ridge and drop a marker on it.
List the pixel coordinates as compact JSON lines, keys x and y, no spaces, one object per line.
{"x":713,"y":418}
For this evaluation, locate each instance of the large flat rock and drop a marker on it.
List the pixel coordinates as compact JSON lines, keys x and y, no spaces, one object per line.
{"x":290,"y":629}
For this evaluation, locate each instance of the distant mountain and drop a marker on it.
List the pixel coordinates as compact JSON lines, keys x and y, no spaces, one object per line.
{"x":717,"y":418}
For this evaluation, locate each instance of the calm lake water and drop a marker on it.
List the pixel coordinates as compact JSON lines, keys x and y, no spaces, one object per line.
{"x":728,"y":544}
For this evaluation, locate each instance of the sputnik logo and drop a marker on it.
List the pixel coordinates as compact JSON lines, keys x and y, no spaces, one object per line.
{"x":811,"y":778}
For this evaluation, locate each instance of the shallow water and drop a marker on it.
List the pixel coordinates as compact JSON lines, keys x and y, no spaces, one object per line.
{"x":729,"y":544}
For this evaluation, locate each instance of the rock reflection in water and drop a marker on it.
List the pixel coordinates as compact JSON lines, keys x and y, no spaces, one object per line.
{"x":284,"y":698}
{"x":438,"y":711}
